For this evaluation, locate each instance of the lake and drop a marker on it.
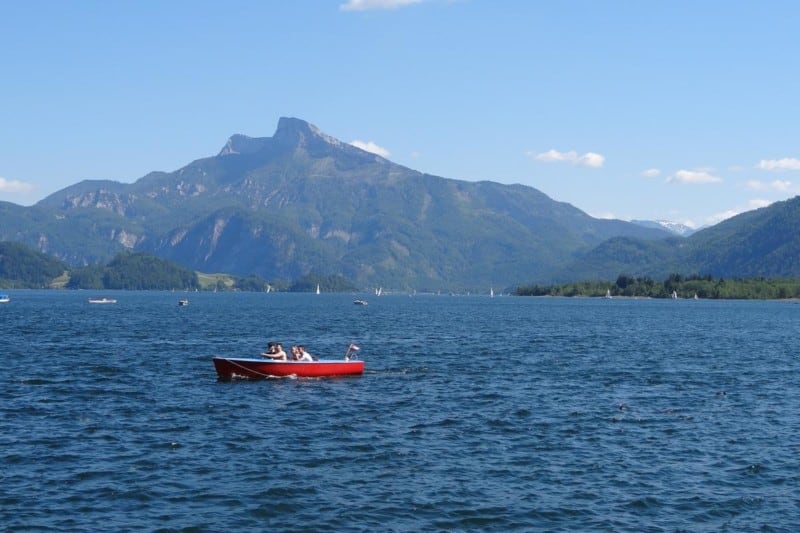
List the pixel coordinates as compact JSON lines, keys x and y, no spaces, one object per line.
{"x":474,"y":413}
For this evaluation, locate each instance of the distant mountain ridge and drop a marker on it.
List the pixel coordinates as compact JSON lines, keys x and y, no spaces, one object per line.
{"x":302,"y":202}
{"x":673,"y":227}
{"x":760,"y":243}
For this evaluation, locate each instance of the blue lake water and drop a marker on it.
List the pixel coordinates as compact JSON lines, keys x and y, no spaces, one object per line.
{"x":474,"y":414}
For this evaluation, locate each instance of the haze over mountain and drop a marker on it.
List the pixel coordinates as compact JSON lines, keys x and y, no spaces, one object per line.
{"x":303,"y":202}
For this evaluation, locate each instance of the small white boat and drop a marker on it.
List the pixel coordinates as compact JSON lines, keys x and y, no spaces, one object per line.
{"x":183,"y":302}
{"x":360,"y":302}
{"x":4,"y":298}
{"x":317,"y":288}
{"x":102,"y":301}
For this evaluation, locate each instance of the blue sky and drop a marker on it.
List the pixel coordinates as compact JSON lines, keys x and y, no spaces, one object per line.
{"x":681,"y":110}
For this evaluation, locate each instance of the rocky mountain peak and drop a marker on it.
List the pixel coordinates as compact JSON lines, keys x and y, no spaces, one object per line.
{"x":291,"y":133}
{"x":296,"y":132}
{"x":242,"y":144}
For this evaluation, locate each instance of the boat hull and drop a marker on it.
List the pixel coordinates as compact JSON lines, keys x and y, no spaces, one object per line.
{"x":230,"y":368}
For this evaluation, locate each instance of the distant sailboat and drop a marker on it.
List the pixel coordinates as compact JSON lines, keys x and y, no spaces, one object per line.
{"x":674,"y":295}
{"x":378,"y":291}
{"x":491,"y":292}
{"x":317,"y":288}
{"x":608,"y":294}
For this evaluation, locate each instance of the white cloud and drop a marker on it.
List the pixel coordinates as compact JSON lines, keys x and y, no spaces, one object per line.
{"x":693,"y":177}
{"x":719,"y":217}
{"x":554,"y":155}
{"x":371,"y":147}
{"x":364,"y":5}
{"x":15,"y":186}
{"x":607,"y":215}
{"x":589,"y":159}
{"x":776,"y":185}
{"x":651,"y":173}
{"x":787,"y":163}
{"x":755,"y":203}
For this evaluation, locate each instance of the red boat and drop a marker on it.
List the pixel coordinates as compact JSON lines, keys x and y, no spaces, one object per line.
{"x":230,"y":367}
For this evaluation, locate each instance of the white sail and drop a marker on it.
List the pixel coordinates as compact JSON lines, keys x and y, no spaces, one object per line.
{"x":317,"y":288}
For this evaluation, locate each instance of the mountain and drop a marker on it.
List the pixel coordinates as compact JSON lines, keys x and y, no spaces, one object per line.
{"x":303,"y":202}
{"x":760,"y":243}
{"x":673,"y":227}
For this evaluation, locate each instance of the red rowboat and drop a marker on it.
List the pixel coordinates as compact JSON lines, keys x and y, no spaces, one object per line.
{"x":229,"y":367}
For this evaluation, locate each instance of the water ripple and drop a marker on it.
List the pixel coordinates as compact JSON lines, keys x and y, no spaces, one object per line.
{"x":509,"y":414}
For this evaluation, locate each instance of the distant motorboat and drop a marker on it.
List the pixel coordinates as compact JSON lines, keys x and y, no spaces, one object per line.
{"x":4,"y":298}
{"x":183,"y":302}
{"x":360,"y":302}
{"x":102,"y":301}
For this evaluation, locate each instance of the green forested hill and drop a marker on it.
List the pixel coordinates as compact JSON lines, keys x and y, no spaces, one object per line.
{"x":760,"y":243}
{"x":21,"y":267}
{"x":134,"y":271}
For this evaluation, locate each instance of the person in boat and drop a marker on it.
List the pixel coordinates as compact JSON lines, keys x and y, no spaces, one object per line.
{"x":295,"y":353}
{"x":278,"y":354}
{"x":304,"y":355}
{"x":271,"y":350}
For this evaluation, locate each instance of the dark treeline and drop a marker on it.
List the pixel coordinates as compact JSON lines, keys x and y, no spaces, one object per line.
{"x":21,"y":267}
{"x":134,"y":271}
{"x":332,"y":283}
{"x":683,"y":287}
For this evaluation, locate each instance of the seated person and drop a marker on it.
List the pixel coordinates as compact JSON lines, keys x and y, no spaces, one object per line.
{"x":278,"y":355}
{"x":303,"y":354}
{"x":295,"y":353}
{"x":271,"y":349}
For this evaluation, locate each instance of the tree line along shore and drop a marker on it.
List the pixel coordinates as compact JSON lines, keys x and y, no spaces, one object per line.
{"x":676,"y":285}
{"x":23,"y":268}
